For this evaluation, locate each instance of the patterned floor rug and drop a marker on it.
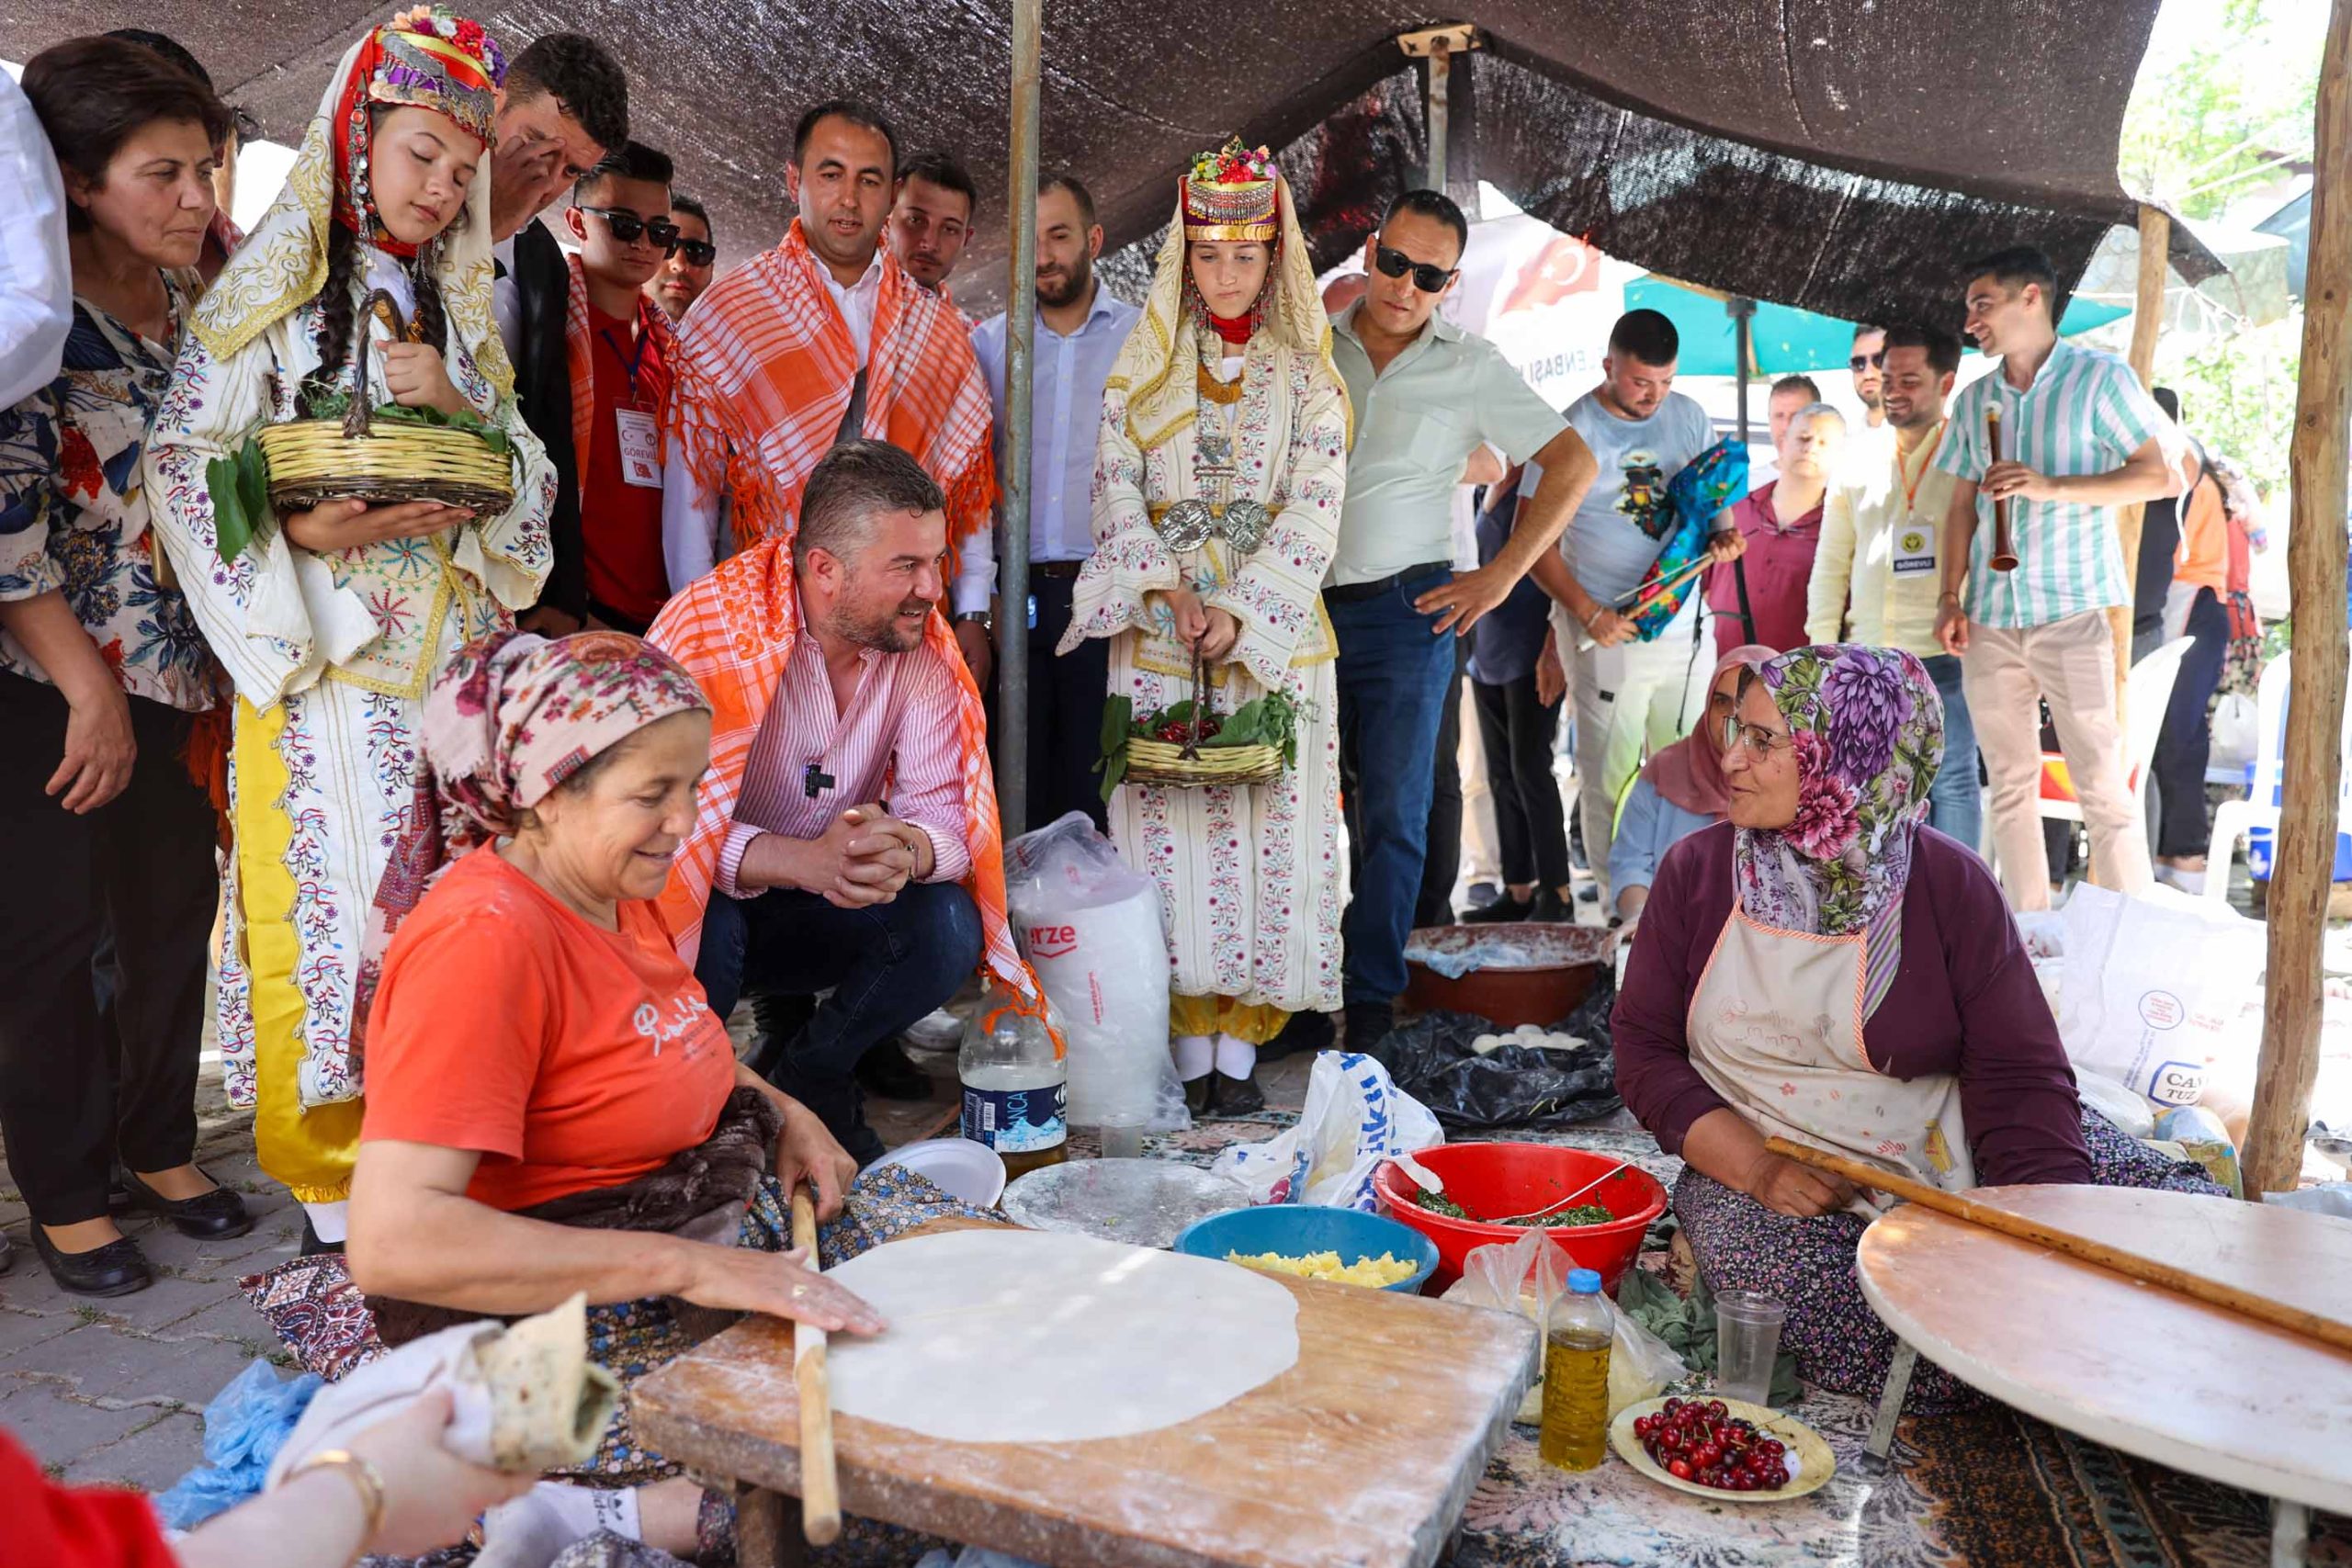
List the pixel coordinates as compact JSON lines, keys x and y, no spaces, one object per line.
{"x":1994,"y":1489}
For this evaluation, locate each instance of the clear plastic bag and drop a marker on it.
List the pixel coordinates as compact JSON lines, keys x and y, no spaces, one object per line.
{"x":1089,"y":925}
{"x":1527,"y":1276}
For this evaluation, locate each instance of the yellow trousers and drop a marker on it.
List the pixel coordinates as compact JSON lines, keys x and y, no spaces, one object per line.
{"x":1252,"y":1022}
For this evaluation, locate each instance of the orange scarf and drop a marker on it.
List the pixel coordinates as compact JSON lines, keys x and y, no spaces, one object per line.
{"x":579,"y":363}
{"x":735,"y":631}
{"x":765,"y":367}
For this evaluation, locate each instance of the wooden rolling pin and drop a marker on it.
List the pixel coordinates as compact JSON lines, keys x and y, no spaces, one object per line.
{"x":820,"y":1489}
{"x":2214,"y":1292}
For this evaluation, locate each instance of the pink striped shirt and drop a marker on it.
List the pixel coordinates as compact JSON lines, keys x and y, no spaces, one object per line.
{"x":898,"y":733}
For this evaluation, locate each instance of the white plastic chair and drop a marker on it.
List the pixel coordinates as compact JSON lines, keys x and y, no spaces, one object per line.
{"x":2147,"y":692}
{"x":2233,"y":820}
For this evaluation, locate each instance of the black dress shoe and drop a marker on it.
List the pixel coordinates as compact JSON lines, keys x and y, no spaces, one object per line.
{"x":212,"y":1216}
{"x":1368,"y":1023}
{"x":1236,"y":1097}
{"x":886,"y":1070}
{"x":1505,"y":910}
{"x":8,"y":1256}
{"x":115,"y":1269}
{"x":1198,"y":1092}
{"x":1550,"y":908}
{"x":1303,"y":1031}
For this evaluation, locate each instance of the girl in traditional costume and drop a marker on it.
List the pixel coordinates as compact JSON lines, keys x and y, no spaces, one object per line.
{"x":1221,"y":465}
{"x":331,"y":621}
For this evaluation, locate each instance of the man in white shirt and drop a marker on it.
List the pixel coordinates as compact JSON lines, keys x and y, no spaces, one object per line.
{"x":1081,"y":328}
{"x":36,"y":278}
{"x":1631,"y":697}
{"x":821,"y":339}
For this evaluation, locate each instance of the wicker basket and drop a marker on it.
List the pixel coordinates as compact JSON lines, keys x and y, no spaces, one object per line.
{"x":1192,"y":766}
{"x":354,"y":458}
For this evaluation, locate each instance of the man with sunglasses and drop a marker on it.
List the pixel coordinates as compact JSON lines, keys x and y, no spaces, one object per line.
{"x":686,"y":271}
{"x":620,"y":218}
{"x":1425,"y":395}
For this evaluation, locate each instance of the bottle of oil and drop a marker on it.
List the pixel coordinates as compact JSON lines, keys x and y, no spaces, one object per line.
{"x":1575,"y":1375}
{"x":1015,"y":1090}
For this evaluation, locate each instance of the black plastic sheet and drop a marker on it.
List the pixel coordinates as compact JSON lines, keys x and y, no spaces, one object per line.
{"x":1512,"y":1086}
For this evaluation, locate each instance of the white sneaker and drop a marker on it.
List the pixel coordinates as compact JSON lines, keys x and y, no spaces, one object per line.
{"x":2189,"y":882}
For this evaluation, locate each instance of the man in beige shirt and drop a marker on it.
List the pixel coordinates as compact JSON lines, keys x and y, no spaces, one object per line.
{"x":1875,"y":569}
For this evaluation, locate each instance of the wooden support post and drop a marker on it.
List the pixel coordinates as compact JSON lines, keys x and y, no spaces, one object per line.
{"x":2147,"y":316}
{"x":2273,"y":1156}
{"x":1020,"y":362}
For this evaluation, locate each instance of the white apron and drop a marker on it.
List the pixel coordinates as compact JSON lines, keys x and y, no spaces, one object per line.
{"x":1776,"y":1028}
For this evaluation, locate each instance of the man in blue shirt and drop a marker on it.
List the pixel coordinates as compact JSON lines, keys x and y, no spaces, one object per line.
{"x":1079,"y":331}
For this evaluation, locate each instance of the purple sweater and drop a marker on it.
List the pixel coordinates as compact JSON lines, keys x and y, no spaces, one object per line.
{"x":1964,"y":1001}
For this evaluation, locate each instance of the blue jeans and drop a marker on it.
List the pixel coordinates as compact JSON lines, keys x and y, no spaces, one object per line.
{"x":1956,"y":802}
{"x":1394,"y":676}
{"x":887,"y":965}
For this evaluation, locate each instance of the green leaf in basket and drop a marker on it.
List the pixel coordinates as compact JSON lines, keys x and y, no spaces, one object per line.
{"x":238,"y":487}
{"x":1118,"y":712}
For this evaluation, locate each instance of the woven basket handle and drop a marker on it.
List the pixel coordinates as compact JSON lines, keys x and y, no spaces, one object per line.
{"x":378,"y":306}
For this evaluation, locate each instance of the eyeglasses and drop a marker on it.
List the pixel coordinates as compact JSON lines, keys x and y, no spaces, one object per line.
{"x":1755,"y":737}
{"x":1397,"y":264}
{"x":628,"y":227}
{"x":699,"y":252}
{"x":1862,"y":361}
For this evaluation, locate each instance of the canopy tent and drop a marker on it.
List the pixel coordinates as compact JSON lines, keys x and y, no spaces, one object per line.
{"x":1821,"y":154}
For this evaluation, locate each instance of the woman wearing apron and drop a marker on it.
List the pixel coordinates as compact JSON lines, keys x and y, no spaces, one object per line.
{"x":1825,"y":967}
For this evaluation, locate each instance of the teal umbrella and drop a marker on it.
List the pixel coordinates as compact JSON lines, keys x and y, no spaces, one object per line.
{"x":1787,"y":340}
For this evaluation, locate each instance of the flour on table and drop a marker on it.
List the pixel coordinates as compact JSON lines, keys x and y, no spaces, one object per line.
{"x":1032,"y":1337}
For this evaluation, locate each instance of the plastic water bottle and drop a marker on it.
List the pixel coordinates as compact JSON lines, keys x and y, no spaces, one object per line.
{"x":1015,"y":1090}
{"x":1577,"y":1337}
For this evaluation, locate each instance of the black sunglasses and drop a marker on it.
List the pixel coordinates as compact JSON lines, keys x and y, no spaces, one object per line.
{"x":1397,"y":264}
{"x":628,"y":226}
{"x":699,"y":252}
{"x":1861,"y":360}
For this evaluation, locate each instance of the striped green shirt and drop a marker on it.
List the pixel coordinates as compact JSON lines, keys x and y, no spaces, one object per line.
{"x":2086,"y":413}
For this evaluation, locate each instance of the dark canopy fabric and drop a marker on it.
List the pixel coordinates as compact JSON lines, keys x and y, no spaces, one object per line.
{"x":1830,"y":155}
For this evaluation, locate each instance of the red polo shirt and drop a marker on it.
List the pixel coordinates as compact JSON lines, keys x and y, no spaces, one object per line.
{"x":1777,"y":566}
{"x":621,"y":522}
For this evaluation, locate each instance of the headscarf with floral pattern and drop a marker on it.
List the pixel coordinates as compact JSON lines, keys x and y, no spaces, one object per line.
{"x":510,"y":717}
{"x":1868,"y":732}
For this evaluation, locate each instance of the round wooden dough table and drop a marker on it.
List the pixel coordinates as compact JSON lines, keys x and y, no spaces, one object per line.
{"x":2136,"y":1366}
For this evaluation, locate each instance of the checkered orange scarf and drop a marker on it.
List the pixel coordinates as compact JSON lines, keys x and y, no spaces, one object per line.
{"x":735,"y":631}
{"x":764,"y":366}
{"x":580,"y":361}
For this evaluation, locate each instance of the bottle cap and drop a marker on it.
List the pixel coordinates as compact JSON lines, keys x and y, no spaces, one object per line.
{"x":1584,"y":1281}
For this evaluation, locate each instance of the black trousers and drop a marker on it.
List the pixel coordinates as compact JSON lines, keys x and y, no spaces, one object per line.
{"x":73,"y":1093}
{"x":2185,"y":744}
{"x":1518,"y":732}
{"x":1066,"y":698}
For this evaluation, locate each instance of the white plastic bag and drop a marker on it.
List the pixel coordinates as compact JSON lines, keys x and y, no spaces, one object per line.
{"x":2130,"y":1113}
{"x":2236,"y":733}
{"x":1355,"y":1118}
{"x":1089,"y":925}
{"x":2153,"y":988}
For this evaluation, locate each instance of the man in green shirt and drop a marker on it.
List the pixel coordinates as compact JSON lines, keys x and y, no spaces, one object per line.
{"x":1425,"y":395}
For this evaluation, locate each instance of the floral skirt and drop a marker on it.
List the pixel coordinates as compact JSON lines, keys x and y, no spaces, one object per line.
{"x":1808,"y":1264}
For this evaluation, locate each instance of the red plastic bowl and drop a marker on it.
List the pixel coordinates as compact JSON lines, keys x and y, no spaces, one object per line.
{"x":1516,"y":1179}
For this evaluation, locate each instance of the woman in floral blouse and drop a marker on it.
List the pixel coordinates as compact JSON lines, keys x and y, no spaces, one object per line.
{"x":101,"y":667}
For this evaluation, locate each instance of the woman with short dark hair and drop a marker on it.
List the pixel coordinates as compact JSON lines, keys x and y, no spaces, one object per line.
{"x":101,"y":668}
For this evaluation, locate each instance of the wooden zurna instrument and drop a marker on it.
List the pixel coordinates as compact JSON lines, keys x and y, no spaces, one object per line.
{"x":821,"y":1490}
{"x":2005,"y":550}
{"x":1959,"y":1206}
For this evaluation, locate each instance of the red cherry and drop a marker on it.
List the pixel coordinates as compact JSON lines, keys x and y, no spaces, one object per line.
{"x":1716,"y":1408}
{"x":1679,"y":1469}
{"x":1770,"y":1448}
{"x":1709,"y":1455}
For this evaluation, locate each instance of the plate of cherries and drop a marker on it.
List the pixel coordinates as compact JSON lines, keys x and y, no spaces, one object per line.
{"x":1728,"y":1449}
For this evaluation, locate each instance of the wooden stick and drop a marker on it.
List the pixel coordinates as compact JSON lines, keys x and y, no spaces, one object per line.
{"x":2288,"y":1065}
{"x":820,"y":1489}
{"x":2216,"y":1293}
{"x":1641,"y":596}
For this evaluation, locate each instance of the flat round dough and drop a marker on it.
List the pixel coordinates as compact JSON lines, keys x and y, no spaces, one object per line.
{"x":1037,"y":1336}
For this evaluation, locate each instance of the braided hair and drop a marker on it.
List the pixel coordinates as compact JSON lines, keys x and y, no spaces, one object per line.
{"x":339,"y":307}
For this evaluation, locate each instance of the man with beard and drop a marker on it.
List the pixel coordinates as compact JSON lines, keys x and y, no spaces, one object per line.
{"x":825,"y":338}
{"x":832,"y":680}
{"x":1079,"y":330}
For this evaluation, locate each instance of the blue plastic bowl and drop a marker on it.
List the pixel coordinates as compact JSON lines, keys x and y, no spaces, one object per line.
{"x":1296,"y":1229}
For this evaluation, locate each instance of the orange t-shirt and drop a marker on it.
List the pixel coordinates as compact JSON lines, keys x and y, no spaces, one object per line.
{"x":571,"y":1057}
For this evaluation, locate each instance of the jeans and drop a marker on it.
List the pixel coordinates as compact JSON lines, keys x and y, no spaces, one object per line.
{"x":1393,"y":676}
{"x":1441,"y":857}
{"x":888,"y":965}
{"x":2185,"y":744}
{"x":1955,"y":801}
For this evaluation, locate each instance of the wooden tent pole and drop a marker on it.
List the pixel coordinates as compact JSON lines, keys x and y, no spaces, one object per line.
{"x":2147,"y":316}
{"x":2273,"y":1156}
